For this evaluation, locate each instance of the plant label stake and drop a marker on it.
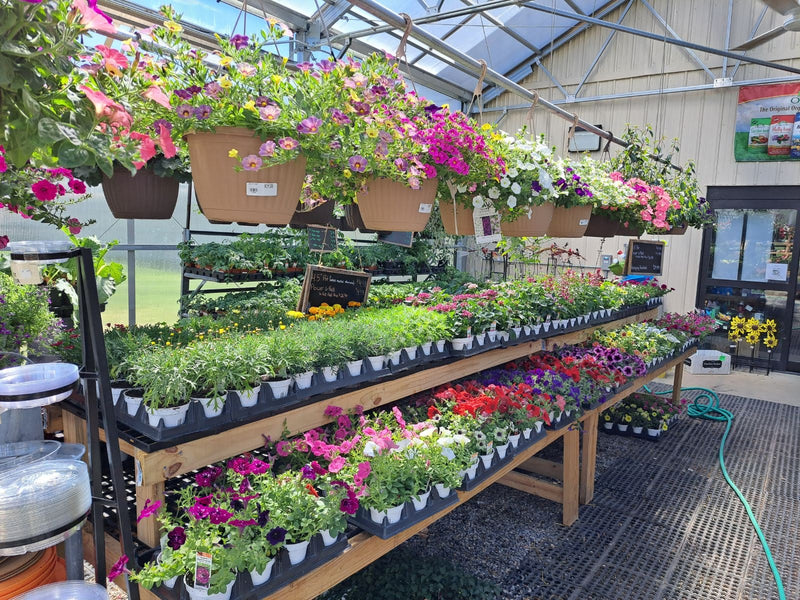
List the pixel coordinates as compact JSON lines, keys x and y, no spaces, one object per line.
{"x":487,"y":225}
{"x":202,"y":570}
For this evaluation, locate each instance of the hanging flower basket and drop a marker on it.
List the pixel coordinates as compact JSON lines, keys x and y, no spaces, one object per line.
{"x":222,"y":192}
{"x":677,"y":230}
{"x":456,"y":219}
{"x":387,"y":205}
{"x":602,"y":226}
{"x":569,"y":222}
{"x":537,"y":225}
{"x":141,"y":196}
{"x":352,"y":216}
{"x":319,"y":215}
{"x":631,"y":229}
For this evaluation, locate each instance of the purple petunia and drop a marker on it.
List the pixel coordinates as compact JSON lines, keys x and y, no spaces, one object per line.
{"x":202,"y":112}
{"x":185,"y":111}
{"x":176,"y":538}
{"x":309,"y":125}
{"x":276,"y":535}
{"x":357,"y":163}
{"x":239,"y":41}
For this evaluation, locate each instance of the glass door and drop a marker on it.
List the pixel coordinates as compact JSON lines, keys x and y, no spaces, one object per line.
{"x":749,"y":268}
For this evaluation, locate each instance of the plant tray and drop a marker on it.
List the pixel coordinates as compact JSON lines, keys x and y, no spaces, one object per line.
{"x":408,"y":518}
{"x":224,"y":277}
{"x":565,"y":420}
{"x":483,"y":473}
{"x":234,"y":414}
{"x":283,"y":572}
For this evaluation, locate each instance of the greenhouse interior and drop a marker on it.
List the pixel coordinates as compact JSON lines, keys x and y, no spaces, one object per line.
{"x":477,"y":313}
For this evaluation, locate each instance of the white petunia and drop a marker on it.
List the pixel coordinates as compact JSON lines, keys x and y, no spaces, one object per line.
{"x":371,"y":449}
{"x":461,"y":188}
{"x":505,"y":182}
{"x":477,"y":201}
{"x":545,"y":180}
{"x":494,"y":193}
{"x":427,"y":432}
{"x":516,"y":188}
{"x":512,"y":201}
{"x":445,"y":441}
{"x":461,"y":440}
{"x":512,"y":172}
{"x":448,"y":453}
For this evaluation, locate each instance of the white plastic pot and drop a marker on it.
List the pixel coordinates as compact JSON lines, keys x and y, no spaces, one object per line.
{"x":517,"y":332}
{"x":303,"y":380}
{"x":212,"y":407}
{"x":492,"y":333}
{"x":394,"y":357}
{"x":329,"y":373}
{"x":327,"y":538}
{"x":487,"y":459}
{"x":249,"y":398}
{"x":132,"y":403}
{"x":412,"y":352}
{"x":501,"y":450}
{"x":442,"y":490}
{"x":200,"y":594}
{"x":392,"y":514}
{"x":354,"y":367}
{"x":481,"y":338}
{"x":462,"y":343}
{"x":426,"y":348}
{"x":376,"y":362}
{"x":172,"y":416}
{"x":421,"y":501}
{"x":280,"y":387}
{"x":297,"y":552}
{"x":526,"y":433}
{"x":440,"y":345}
{"x":514,"y":440}
{"x":262,"y":577}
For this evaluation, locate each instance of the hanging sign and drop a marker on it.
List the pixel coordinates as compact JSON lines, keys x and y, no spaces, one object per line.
{"x":333,"y":286}
{"x":487,"y":225}
{"x":644,"y":258}
{"x":322,"y":239}
{"x":768,"y":123}
{"x":397,"y":238}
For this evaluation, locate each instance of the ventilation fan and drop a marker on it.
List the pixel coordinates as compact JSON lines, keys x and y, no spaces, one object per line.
{"x":790,"y":9}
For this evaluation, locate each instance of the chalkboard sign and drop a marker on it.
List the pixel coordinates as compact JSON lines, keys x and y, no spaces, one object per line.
{"x":397,"y":238}
{"x":333,"y":286}
{"x":322,"y":239}
{"x":644,"y":258}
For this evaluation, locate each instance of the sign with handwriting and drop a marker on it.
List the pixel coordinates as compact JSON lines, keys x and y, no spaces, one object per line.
{"x":645,"y":257}
{"x":322,"y":239}
{"x":333,"y":286}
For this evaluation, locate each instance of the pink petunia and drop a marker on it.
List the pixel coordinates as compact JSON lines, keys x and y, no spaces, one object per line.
{"x":118,"y":568}
{"x":156,"y":94}
{"x":44,"y":190}
{"x":337,"y":464}
{"x":73,"y":225}
{"x":148,"y":509}
{"x":93,"y":18}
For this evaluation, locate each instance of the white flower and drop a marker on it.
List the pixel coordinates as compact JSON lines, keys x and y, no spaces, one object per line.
{"x":371,"y":449}
{"x":512,"y":201}
{"x":545,"y":180}
{"x":512,"y":172}
{"x":461,"y":440}
{"x":461,"y":188}
{"x":448,"y":454}
{"x":444,"y":431}
{"x":515,"y":188}
{"x":445,"y":441}
{"x":477,"y":201}
{"x":529,"y":166}
{"x":494,"y":193}
{"x":505,"y":182}
{"x":403,"y":444}
{"x":427,"y":432}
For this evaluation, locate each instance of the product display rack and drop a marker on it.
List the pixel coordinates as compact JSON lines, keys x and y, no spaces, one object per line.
{"x":155,"y":464}
{"x":94,"y":374}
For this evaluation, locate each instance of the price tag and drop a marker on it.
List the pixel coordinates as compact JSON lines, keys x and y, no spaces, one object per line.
{"x":583,"y":222}
{"x":202,"y":570}
{"x":262,"y":189}
{"x":425,"y":208}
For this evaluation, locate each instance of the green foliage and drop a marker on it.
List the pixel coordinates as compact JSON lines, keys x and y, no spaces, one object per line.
{"x":405,"y":575}
{"x":24,"y":316}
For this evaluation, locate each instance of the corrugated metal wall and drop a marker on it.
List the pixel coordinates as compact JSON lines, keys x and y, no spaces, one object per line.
{"x":704,"y":121}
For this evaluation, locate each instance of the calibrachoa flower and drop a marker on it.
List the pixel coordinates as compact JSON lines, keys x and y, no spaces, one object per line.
{"x":309,"y":125}
{"x":357,"y":163}
{"x":251,"y":162}
{"x":288,"y":143}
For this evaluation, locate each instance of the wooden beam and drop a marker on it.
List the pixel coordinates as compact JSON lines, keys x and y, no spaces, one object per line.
{"x":531,"y":485}
{"x":570,"y":504}
{"x":589,"y":457}
{"x":677,"y":381}
{"x":544,"y":467}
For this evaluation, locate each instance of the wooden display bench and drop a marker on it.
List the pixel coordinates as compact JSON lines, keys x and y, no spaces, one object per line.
{"x":153,"y":469}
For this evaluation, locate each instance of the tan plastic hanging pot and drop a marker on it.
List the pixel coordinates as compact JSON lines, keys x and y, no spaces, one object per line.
{"x":387,"y":205}
{"x":267,"y":196}
{"x":536,"y":225}
{"x":602,"y":226}
{"x":456,"y":219}
{"x":569,"y":222}
{"x":676,"y":230}
{"x":141,"y":196}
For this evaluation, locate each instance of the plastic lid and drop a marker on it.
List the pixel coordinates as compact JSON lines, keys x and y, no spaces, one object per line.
{"x":66,"y":590}
{"x":70,"y":451}
{"x":39,"y":384}
{"x":22,"y":453}
{"x":41,"y":247}
{"x":42,"y":498}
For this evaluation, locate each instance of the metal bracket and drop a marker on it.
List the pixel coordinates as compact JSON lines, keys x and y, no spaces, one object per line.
{"x":723,"y":82}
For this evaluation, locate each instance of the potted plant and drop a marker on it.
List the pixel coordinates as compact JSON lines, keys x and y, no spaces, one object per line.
{"x":165,"y":377}
{"x":391,"y":483}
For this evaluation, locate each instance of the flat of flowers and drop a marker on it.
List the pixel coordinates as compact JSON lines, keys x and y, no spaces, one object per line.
{"x":409,"y":517}
{"x":483,"y":473}
{"x":283,"y":572}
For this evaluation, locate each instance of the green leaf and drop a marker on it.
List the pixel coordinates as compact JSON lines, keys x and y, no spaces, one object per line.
{"x":6,"y":70}
{"x":15,"y":48}
{"x":52,"y":131}
{"x":72,"y":156}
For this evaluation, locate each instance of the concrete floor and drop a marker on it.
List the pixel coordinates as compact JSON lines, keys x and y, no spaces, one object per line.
{"x":783,"y":388}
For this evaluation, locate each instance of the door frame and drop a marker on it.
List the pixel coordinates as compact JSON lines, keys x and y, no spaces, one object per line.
{"x":756,"y":198}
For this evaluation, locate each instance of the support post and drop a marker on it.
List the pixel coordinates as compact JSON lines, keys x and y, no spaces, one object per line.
{"x":677,"y":381}
{"x":589,"y":456}
{"x":569,"y":509}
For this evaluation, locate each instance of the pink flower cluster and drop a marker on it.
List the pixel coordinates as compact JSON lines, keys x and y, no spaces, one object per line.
{"x":654,"y":200}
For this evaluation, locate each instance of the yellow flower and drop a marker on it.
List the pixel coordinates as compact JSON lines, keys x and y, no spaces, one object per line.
{"x":285,"y":60}
{"x":173,"y":26}
{"x":283,"y":326}
{"x":372,"y":132}
{"x":295,"y":314}
{"x":236,"y":311}
{"x":347,"y":173}
{"x":606,"y":417}
{"x":752,"y":338}
{"x":486,"y":126}
{"x":628,"y":418}
{"x":664,"y":426}
{"x":169,"y":343}
{"x":770,"y":341}
{"x":250,"y":105}
{"x":224,"y":83}
{"x":233,"y":153}
{"x":313,"y":310}
{"x":276,"y":79}
{"x":225,"y":61}
{"x":770,"y":326}
{"x":753,"y":325}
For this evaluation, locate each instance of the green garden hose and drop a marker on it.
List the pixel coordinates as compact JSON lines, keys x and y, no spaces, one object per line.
{"x":712,"y":411}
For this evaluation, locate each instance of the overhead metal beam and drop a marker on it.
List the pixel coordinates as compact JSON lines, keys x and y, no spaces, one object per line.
{"x":447,"y":34}
{"x":395,"y":20}
{"x":659,"y":38}
{"x":690,"y":53}
{"x":727,"y":38}
{"x":523,"y":69}
{"x":330,"y":13}
{"x":574,"y":7}
{"x":637,"y":94}
{"x":505,"y":29}
{"x":752,"y":33}
{"x":603,"y":48}
{"x":551,"y":77}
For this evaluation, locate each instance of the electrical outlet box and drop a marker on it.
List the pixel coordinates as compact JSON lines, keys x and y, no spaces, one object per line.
{"x":605,"y":261}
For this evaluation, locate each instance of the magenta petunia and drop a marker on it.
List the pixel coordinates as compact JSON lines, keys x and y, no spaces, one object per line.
{"x":332,"y":411}
{"x":118,"y":568}
{"x":149,"y":509}
{"x":176,"y":538}
{"x":337,"y":464}
{"x":3,"y":241}
{"x":44,"y":190}
{"x":77,"y":186}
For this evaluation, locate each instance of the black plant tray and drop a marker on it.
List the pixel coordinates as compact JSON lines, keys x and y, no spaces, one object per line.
{"x":565,"y":420}
{"x":408,"y":517}
{"x":283,"y":573}
{"x":483,"y":473}
{"x":222,"y":277}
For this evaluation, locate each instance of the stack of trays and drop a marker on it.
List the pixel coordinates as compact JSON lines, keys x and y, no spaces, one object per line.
{"x":67,"y":590}
{"x":41,"y":504}
{"x":16,"y":454}
{"x":35,"y":385}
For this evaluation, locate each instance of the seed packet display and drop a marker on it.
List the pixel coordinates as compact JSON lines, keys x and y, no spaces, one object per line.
{"x":759,"y":134}
{"x":780,"y":135}
{"x":795,"y":149}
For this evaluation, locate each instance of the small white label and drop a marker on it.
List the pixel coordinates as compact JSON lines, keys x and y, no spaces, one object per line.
{"x":262,"y":189}
{"x":25,"y":272}
{"x":583,"y":222}
{"x":425,"y":208}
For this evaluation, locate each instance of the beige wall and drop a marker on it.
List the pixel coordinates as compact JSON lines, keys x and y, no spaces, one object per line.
{"x":702,"y":120}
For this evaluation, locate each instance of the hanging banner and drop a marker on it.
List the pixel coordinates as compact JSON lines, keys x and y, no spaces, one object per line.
{"x":768,"y":123}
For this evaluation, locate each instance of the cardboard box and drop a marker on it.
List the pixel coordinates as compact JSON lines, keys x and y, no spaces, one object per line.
{"x":709,"y":362}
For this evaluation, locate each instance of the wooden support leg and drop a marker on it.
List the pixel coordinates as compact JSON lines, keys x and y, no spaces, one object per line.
{"x":147,"y":529}
{"x":677,"y":381}
{"x":589,"y":456}
{"x":571,"y":476}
